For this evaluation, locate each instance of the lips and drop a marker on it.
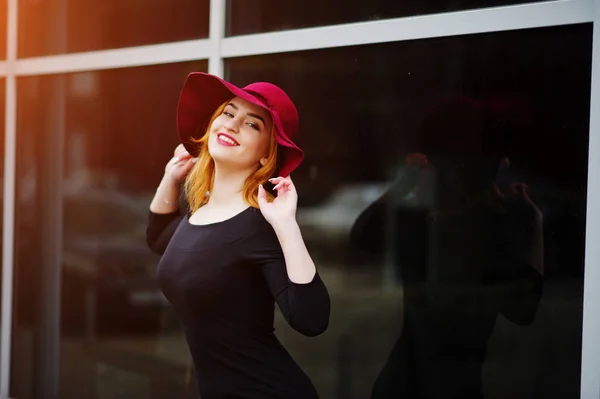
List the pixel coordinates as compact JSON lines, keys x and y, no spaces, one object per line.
{"x":226,"y":140}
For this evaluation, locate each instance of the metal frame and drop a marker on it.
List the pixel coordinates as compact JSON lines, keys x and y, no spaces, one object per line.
{"x":10,"y":135}
{"x":590,"y":357}
{"x":526,"y":16}
{"x":118,"y":58}
{"x":217,"y":47}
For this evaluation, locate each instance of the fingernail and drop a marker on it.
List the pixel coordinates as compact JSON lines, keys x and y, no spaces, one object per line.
{"x":176,"y":159}
{"x":194,"y":160}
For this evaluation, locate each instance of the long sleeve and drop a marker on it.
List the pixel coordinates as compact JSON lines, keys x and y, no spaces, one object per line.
{"x":368,"y":230}
{"x":306,"y":307}
{"x":160,"y":229}
{"x":522,"y":284}
{"x":522,"y":296}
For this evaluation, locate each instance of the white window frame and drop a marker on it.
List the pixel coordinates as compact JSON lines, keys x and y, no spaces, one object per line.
{"x":217,"y":48}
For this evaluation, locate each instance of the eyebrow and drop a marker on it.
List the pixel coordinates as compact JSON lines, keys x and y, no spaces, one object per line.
{"x":249,"y":113}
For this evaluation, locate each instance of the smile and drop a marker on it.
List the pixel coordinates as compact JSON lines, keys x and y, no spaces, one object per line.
{"x":225,"y":139}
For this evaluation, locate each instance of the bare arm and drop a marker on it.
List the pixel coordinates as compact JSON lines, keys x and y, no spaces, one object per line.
{"x":281,"y":214}
{"x":300,"y":266}
{"x":166,"y":199}
{"x":164,"y":214}
{"x":521,"y":270}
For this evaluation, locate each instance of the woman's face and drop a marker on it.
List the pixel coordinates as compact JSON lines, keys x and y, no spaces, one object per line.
{"x":240,"y":136}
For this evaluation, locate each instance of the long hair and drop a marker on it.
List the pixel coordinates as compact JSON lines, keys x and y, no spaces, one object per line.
{"x":200,"y":180}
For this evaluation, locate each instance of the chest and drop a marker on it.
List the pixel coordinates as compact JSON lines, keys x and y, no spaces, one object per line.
{"x":208,"y":264}
{"x":210,"y":215}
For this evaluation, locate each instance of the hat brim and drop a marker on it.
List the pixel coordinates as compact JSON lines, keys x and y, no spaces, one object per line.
{"x":200,"y":97}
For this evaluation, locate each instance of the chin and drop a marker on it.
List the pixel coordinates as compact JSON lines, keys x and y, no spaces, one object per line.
{"x":223,"y":156}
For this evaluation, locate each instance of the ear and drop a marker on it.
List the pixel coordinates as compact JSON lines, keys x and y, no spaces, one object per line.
{"x":263,"y":161}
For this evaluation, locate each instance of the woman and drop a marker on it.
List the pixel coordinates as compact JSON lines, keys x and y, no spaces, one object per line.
{"x":238,"y":248}
{"x":466,"y":248}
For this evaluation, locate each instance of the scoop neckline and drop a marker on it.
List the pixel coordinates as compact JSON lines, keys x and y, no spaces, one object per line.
{"x":219,"y":222}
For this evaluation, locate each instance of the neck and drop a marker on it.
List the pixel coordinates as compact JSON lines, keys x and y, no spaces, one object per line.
{"x":227,"y":186}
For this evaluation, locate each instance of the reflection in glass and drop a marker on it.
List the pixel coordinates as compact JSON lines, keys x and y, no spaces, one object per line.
{"x":246,"y":17}
{"x":63,"y":26}
{"x":467,"y":247}
{"x":442,"y":279}
{"x":90,"y":321}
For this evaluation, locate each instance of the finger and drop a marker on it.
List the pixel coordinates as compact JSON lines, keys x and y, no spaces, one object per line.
{"x":497,"y":191}
{"x":291,"y":183}
{"x":275,"y":180}
{"x":518,"y":188}
{"x":524,"y":190}
{"x":262,"y":195}
{"x":280,"y":178}
{"x":287,"y":179}
{"x":283,"y":184}
{"x":181,"y":152}
{"x":514,"y":188}
{"x":189,"y":163}
{"x":184,"y":155}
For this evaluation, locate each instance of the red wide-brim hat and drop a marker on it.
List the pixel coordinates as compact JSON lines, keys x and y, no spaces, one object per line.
{"x":203,"y":93}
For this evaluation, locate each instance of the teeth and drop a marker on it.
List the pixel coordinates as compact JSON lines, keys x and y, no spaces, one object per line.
{"x":227,"y":140}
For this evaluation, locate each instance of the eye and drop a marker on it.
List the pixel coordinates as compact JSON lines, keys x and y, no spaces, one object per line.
{"x":229,"y":114}
{"x":253,"y":125}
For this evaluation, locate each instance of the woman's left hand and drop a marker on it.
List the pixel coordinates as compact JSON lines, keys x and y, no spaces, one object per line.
{"x":283,"y":207}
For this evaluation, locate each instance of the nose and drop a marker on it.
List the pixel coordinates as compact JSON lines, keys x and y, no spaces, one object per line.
{"x":232,"y":124}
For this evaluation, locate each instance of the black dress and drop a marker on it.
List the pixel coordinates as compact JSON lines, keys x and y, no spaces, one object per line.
{"x":222,"y":280}
{"x":458,"y":273}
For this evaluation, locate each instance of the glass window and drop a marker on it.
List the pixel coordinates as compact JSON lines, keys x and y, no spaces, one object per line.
{"x":448,"y":276}
{"x":246,"y":17}
{"x":91,"y":149}
{"x":67,"y":26}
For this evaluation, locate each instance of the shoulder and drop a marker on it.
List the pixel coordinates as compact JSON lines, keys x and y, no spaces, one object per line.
{"x":255,"y":219}
{"x":259,"y":231}
{"x":258,"y":243}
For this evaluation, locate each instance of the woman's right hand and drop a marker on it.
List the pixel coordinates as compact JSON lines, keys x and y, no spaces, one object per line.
{"x":180,"y":165}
